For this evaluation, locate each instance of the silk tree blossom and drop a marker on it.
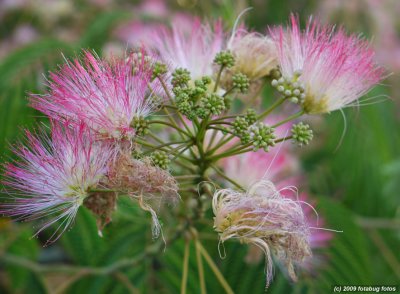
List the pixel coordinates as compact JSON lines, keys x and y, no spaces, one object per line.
{"x":107,"y":96}
{"x":192,"y":47}
{"x":54,"y":175}
{"x":263,"y":217}
{"x":283,"y":169}
{"x":255,"y":56}
{"x":334,"y":69}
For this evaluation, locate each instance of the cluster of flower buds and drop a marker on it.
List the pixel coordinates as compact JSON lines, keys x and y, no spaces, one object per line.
{"x":195,"y":101}
{"x":290,"y":88}
{"x":258,"y":134}
{"x":302,"y":134}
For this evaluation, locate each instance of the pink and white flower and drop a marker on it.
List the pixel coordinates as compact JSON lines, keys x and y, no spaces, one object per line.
{"x":54,"y":175}
{"x":107,"y":96}
{"x":333,"y":68}
{"x":192,"y":47}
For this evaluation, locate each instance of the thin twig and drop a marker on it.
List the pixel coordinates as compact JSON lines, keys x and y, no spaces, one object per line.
{"x":215,"y":269}
{"x":185,"y":267}
{"x":200,"y":269}
{"x":387,"y":254}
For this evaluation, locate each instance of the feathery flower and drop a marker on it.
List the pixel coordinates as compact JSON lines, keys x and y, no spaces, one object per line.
{"x":333,"y":68}
{"x":151,"y":185}
{"x":263,"y":217}
{"x":255,"y":54}
{"x":192,"y":47}
{"x":54,"y":175}
{"x":106,"y":96}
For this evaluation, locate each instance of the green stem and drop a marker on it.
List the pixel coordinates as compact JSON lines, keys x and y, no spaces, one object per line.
{"x":215,"y":269}
{"x":185,"y":267}
{"x":271,"y":108}
{"x":220,"y":143}
{"x":221,"y":173}
{"x":219,"y":123}
{"x":221,"y":129}
{"x":200,"y":269}
{"x":294,"y":116}
{"x":218,"y":78}
{"x":171,"y":124}
{"x":210,"y":143}
{"x":230,"y":152}
{"x":228,"y":92}
{"x":182,"y":120}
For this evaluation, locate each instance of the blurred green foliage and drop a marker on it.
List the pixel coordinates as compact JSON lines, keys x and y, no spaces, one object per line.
{"x":356,"y":185}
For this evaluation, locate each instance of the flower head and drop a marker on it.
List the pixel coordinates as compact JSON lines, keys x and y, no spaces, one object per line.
{"x":54,"y":175}
{"x":263,"y":217}
{"x":334,"y":69}
{"x":255,"y":54}
{"x":192,"y":47}
{"x":106,"y":96}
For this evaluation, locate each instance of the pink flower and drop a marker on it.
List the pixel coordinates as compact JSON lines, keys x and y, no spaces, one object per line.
{"x":332,"y":68}
{"x":192,"y":46}
{"x":107,"y":96}
{"x":54,"y":175}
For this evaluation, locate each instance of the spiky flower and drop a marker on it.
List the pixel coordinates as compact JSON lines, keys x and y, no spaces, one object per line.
{"x":192,"y":47}
{"x":333,"y":68}
{"x":106,"y":96}
{"x":262,"y":216}
{"x":55,"y":175}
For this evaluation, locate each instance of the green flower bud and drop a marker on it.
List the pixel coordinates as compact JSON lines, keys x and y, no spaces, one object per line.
{"x":211,"y":104}
{"x":160,"y":159}
{"x":241,"y":82}
{"x":251,"y":116}
{"x":262,"y":136}
{"x":240,"y":129}
{"x":140,"y":125}
{"x":225,"y":59}
{"x":275,"y":73}
{"x":302,"y":134}
{"x":159,"y":69}
{"x":180,"y":77}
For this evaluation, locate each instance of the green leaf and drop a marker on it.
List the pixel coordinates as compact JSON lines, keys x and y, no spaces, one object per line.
{"x":82,"y":242}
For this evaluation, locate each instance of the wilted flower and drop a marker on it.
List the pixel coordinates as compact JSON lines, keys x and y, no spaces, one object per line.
{"x":192,"y":47}
{"x":282,"y":168}
{"x":55,"y":175}
{"x":263,"y":217}
{"x":150,"y":184}
{"x":106,"y":96}
{"x":332,"y":68}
